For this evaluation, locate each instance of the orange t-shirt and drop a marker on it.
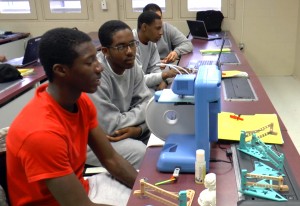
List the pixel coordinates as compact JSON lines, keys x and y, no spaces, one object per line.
{"x":46,"y":141}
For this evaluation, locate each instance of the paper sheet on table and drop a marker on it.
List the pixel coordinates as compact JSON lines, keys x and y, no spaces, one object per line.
{"x":229,"y":127}
{"x":26,"y":71}
{"x":154,"y":141}
{"x":233,"y":73}
{"x":214,"y":51}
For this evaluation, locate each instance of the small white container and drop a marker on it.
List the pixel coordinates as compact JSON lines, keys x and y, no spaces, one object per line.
{"x":200,"y":166}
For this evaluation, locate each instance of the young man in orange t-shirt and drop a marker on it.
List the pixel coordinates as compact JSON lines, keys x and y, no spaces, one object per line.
{"x":47,"y":142}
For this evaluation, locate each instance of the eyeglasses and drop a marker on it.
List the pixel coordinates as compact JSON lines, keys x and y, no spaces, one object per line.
{"x":123,"y":48}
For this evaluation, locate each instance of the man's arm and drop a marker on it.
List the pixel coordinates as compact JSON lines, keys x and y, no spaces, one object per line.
{"x":181,"y":44}
{"x":152,"y":73}
{"x":139,"y":100}
{"x":68,"y":190}
{"x":116,"y":165}
{"x":109,"y":115}
{"x":124,"y":133}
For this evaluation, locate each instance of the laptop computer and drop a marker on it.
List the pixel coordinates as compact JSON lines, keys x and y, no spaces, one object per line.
{"x":30,"y":55}
{"x":198,"y":30}
{"x":197,"y":64}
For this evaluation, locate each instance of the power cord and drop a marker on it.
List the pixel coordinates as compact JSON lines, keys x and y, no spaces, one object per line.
{"x":223,"y":148}
{"x":216,"y":160}
{"x":228,"y":155}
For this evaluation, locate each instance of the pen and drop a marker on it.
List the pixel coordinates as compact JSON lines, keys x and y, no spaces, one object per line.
{"x":171,"y":180}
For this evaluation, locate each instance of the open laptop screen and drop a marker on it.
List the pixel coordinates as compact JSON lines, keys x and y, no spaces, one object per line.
{"x":198,"y":30}
{"x":30,"y":55}
{"x":31,"y":51}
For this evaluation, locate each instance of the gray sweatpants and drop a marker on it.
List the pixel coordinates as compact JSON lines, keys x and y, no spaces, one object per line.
{"x":132,"y":150}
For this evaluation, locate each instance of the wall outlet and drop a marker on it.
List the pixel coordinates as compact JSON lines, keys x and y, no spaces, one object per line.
{"x":103,"y":5}
{"x":241,"y":46}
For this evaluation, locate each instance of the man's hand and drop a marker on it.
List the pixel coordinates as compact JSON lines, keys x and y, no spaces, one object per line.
{"x":162,"y":85}
{"x":172,"y":56}
{"x":124,"y":133}
{"x":169,"y":73}
{"x":3,"y":58}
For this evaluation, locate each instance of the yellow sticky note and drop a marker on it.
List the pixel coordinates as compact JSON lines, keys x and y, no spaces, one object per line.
{"x":214,"y":51}
{"x":233,"y":73}
{"x":25,"y":71}
{"x":266,"y":127}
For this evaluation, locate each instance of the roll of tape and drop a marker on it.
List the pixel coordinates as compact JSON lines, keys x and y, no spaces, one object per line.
{"x":164,"y":119}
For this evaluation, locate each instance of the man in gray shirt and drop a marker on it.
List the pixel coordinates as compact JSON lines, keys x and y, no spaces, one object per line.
{"x":122,"y":97}
{"x":148,"y":33}
{"x":173,"y":43}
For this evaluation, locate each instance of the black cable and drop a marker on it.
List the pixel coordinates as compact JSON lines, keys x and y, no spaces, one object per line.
{"x":223,"y":148}
{"x":228,"y":155}
{"x":216,"y":160}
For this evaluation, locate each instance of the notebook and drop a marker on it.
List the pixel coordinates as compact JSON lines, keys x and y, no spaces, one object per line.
{"x":197,"y":64}
{"x":198,"y":30}
{"x":30,"y":55}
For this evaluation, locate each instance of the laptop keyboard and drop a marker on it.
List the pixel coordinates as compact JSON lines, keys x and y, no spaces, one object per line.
{"x":204,"y":62}
{"x":196,"y":65}
{"x":225,"y":58}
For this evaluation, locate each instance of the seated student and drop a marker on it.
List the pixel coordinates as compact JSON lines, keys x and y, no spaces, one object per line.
{"x":46,"y":143}
{"x":148,"y":33}
{"x":122,"y":97}
{"x":3,"y":58}
{"x":173,"y":43}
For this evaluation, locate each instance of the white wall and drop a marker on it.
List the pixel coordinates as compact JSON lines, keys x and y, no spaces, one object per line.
{"x":14,"y":49}
{"x":297,"y":58}
{"x":270,"y":35}
{"x":268,"y":28}
{"x":37,"y":27}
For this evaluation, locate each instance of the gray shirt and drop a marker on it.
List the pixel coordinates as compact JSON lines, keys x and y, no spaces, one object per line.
{"x":173,"y":39}
{"x":121,"y":100}
{"x":148,"y":56}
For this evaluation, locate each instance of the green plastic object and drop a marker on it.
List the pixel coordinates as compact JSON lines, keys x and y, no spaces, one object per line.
{"x":260,"y":150}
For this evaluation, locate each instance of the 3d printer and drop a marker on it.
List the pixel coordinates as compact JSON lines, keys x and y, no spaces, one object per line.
{"x":185,"y":116}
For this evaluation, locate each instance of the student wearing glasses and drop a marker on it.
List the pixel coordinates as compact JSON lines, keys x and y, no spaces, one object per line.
{"x":173,"y":43}
{"x":149,"y":32}
{"x":122,"y":97}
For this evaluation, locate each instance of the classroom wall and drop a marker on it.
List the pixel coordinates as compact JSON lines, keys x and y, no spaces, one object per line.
{"x":268,"y":28}
{"x":270,"y":35}
{"x":37,"y":27}
{"x":297,"y":59}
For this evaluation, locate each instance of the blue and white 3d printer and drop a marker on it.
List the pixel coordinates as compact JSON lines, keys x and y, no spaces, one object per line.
{"x":186,"y":118}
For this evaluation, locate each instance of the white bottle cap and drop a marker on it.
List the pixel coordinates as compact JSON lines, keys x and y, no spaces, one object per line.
{"x":200,"y":155}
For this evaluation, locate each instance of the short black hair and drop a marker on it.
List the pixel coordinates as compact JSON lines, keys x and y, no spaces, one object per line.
{"x":152,"y":7}
{"x":58,"y":46}
{"x":108,"y":29}
{"x":147,"y":17}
